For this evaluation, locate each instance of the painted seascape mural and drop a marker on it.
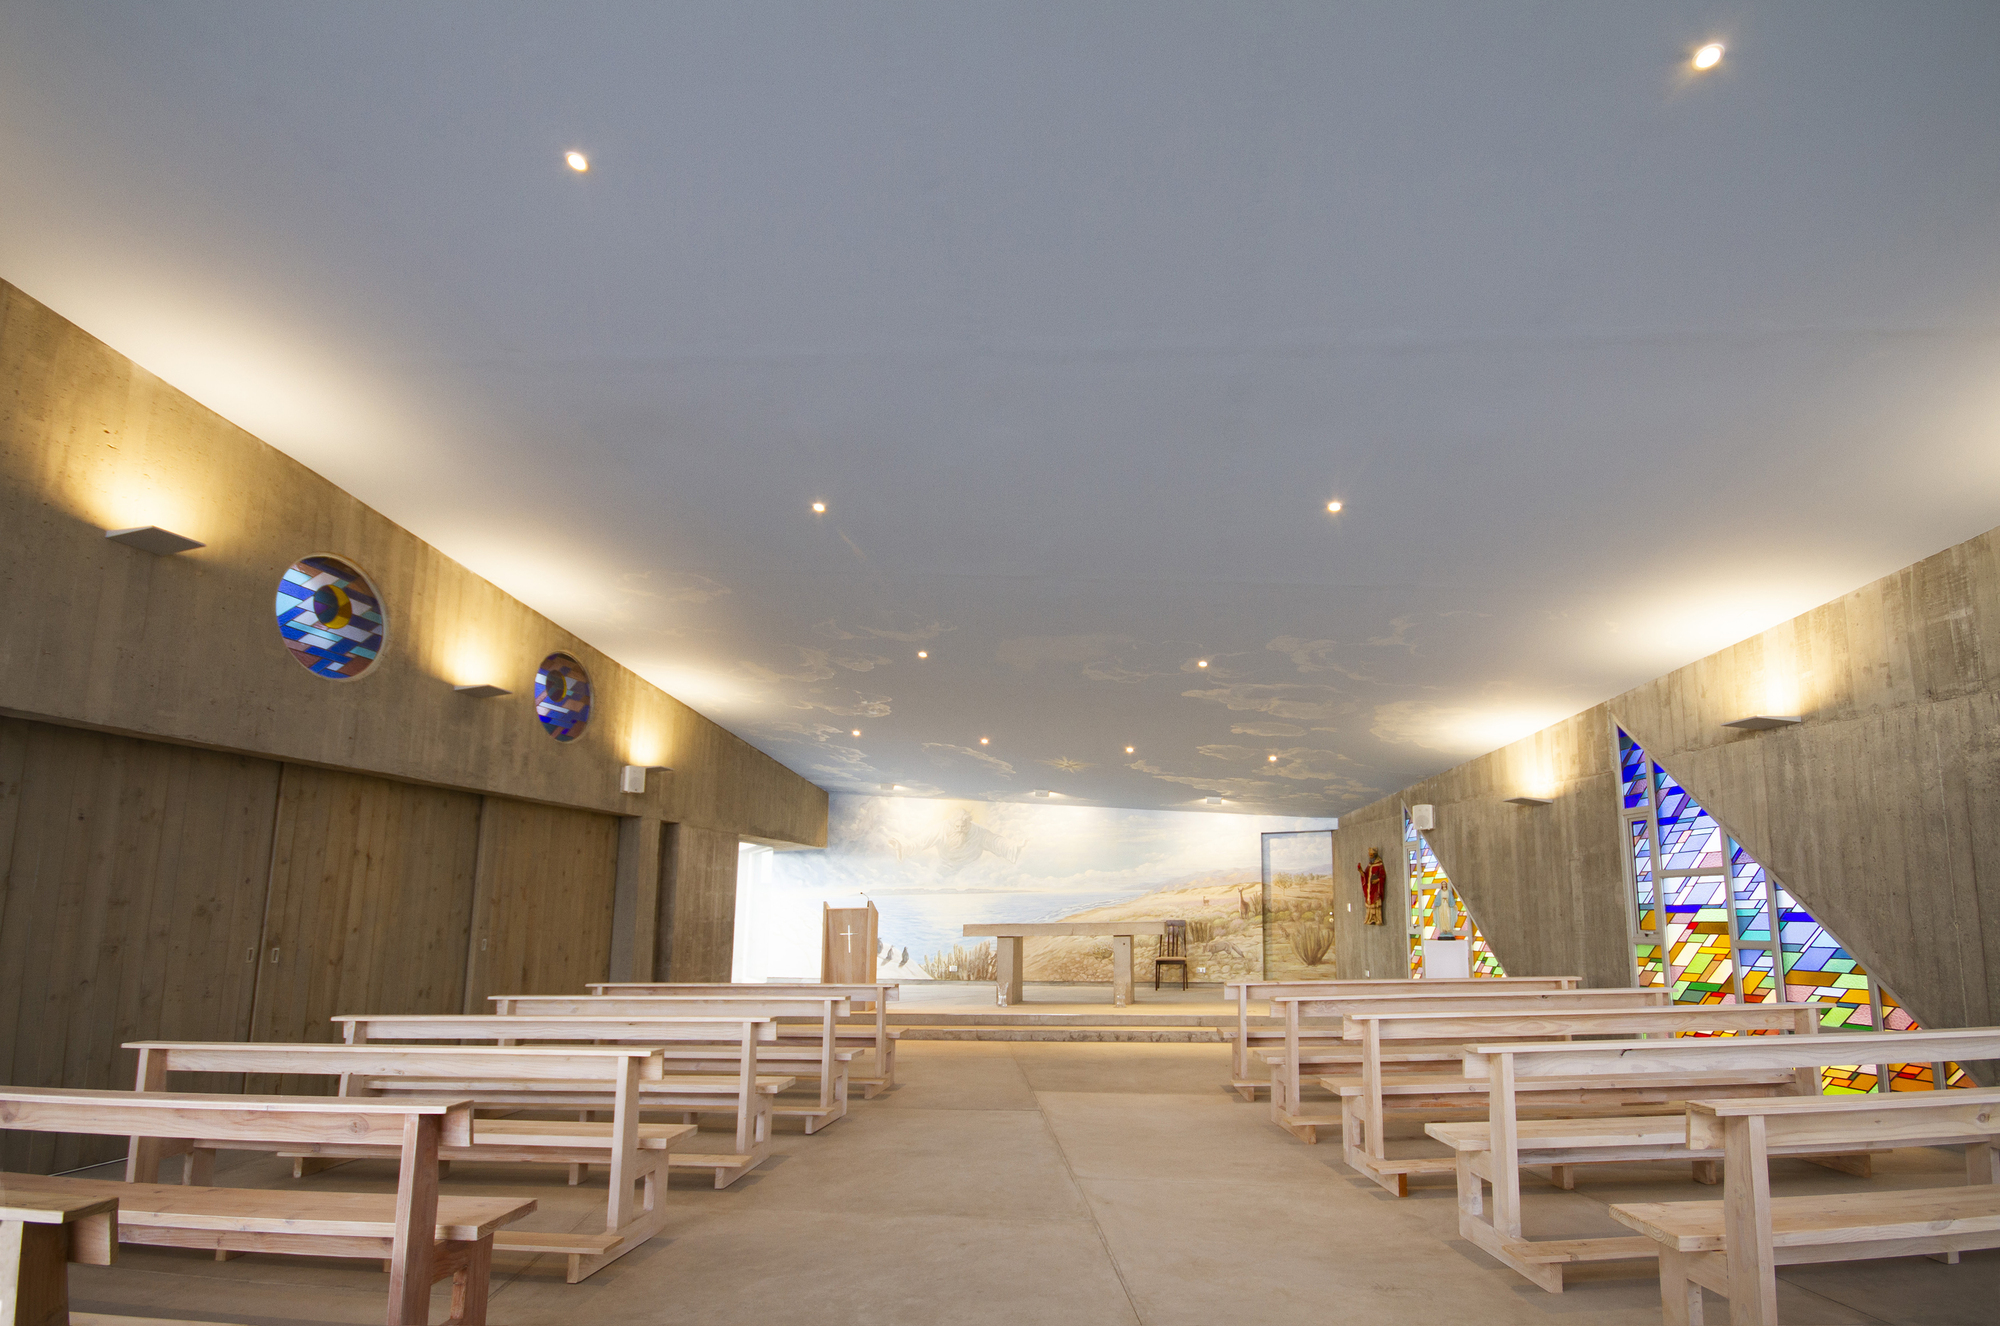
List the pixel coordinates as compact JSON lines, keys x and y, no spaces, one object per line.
{"x":932,"y":866}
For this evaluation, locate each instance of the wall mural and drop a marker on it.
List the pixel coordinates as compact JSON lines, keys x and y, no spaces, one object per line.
{"x":932,"y":866}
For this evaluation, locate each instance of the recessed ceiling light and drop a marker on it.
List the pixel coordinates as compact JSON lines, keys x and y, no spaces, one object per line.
{"x":1333,"y":507}
{"x":578,"y":162}
{"x":1708,"y":56}
{"x":1272,"y":758}
{"x":819,"y":508}
{"x":983,"y":740}
{"x":1128,"y":750}
{"x":1201,"y":662}
{"x":923,"y":653}
{"x":855,"y":733}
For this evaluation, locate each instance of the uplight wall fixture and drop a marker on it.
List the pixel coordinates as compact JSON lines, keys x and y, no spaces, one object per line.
{"x":1039,"y":793}
{"x":1211,"y":801}
{"x":1764,"y":722}
{"x":482,"y":691}
{"x":632,"y":778}
{"x":1530,"y":801}
{"x":153,"y":539}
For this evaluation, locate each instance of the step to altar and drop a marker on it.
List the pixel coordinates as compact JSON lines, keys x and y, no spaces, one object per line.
{"x":1027,"y":1024}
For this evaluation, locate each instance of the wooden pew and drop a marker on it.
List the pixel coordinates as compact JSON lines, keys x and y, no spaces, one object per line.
{"x":1495,"y":1152}
{"x":805,"y":1043}
{"x":1249,"y":1038}
{"x":1384,"y":1086}
{"x":876,"y":996}
{"x":422,"y":1236}
{"x":39,"y":1237}
{"x":1288,"y":1064}
{"x":636,"y":1153}
{"x":1735,"y":1246}
{"x":735,"y":1043}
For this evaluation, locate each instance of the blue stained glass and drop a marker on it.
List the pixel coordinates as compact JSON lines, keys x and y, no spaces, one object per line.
{"x":1753,"y":912}
{"x":1632,"y":770}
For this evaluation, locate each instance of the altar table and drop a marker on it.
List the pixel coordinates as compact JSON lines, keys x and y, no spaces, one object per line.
{"x":1007,"y":939}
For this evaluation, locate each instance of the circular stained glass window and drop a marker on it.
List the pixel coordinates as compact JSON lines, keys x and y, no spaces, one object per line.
{"x":562,"y":696}
{"x":331,"y":618}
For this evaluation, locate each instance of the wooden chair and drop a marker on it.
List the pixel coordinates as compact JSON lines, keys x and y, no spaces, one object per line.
{"x":1173,"y":950}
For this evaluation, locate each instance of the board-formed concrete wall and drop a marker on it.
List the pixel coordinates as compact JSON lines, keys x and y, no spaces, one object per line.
{"x":184,"y":648}
{"x":1880,"y":811}
{"x":201,"y":840}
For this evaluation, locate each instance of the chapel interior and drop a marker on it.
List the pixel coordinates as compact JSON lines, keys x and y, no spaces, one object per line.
{"x":1058,"y":661}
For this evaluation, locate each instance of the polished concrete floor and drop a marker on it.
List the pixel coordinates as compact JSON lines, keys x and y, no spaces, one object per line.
{"x":1058,"y":1183}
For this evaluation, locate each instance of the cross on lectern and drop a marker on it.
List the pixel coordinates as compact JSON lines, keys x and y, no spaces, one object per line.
{"x":848,"y":935}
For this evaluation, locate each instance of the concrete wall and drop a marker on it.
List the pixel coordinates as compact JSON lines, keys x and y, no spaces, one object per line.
{"x":201,"y":840}
{"x":184,"y":648}
{"x":1880,"y":812}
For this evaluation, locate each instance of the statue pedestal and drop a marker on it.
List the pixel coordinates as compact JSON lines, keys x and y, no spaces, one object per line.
{"x":1448,"y":957}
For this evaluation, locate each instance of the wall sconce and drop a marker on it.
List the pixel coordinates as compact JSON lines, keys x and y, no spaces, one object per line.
{"x":153,"y":539}
{"x":1039,"y":793}
{"x":1211,"y":801}
{"x":482,"y":691}
{"x":892,"y":787}
{"x":633,"y":777}
{"x":1529,"y":801}
{"x":1423,"y":817}
{"x":1764,"y":722}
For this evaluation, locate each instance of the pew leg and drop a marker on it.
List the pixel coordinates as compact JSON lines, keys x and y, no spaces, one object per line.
{"x":1680,"y":1296}
{"x":1564,"y":1176}
{"x":1708,"y":1171}
{"x":199,"y":1169}
{"x":1979,"y":1166}
{"x":471,"y":1280}
{"x":34,"y":1271}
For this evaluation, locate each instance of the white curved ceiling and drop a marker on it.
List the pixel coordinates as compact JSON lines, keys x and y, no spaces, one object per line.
{"x":1076,"y":315}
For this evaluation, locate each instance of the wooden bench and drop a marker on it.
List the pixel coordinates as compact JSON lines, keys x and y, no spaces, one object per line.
{"x":1735,"y":1246}
{"x":636,"y":1153}
{"x":1249,"y":1039}
{"x":867,"y":997}
{"x":1389,"y":1082}
{"x":1288,"y":1068}
{"x":741,"y":1091}
{"x":39,"y":1237}
{"x":805,"y":1040}
{"x":423,"y":1237}
{"x":1495,"y":1152}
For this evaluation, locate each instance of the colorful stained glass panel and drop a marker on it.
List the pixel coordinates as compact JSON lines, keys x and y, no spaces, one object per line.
{"x":1427,"y":883}
{"x":330,"y":618}
{"x":562,"y":697}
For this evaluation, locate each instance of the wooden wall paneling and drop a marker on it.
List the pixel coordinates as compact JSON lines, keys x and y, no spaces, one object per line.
{"x":135,"y":876}
{"x":698,"y":905}
{"x":544,"y":901}
{"x":371,"y":905}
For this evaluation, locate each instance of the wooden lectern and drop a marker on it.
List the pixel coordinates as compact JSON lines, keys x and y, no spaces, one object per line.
{"x":848,"y":945}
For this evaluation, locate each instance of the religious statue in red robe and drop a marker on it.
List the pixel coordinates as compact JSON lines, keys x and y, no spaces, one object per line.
{"x":1374,"y":882}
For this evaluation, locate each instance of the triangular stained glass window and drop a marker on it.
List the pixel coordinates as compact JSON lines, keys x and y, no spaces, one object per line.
{"x":1428,"y":883}
{"x":1703,"y":911}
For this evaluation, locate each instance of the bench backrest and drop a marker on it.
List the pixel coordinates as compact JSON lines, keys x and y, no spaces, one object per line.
{"x":514,"y":1062}
{"x":1544,"y":1024}
{"x":1910,"y":1118}
{"x":1309,"y":1006}
{"x":1613,"y":1058}
{"x":227,"y":1117}
{"x":1246,"y":990}
{"x":362,"y":1029}
{"x":774,"y":1006}
{"x":730,"y":990}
